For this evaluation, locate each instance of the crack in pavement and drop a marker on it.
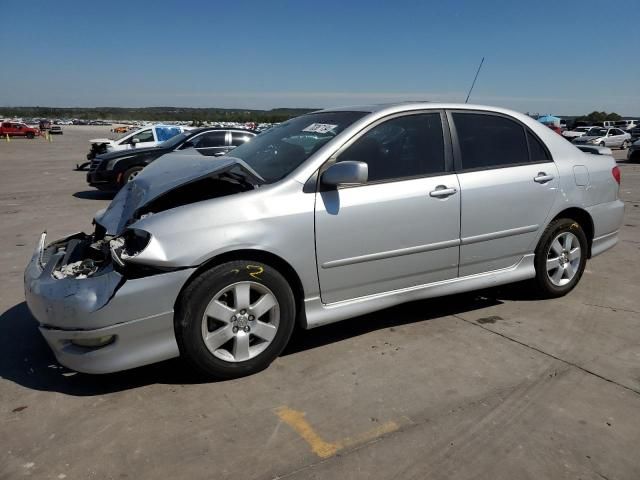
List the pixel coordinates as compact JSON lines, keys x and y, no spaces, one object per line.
{"x":615,"y":309}
{"x":567,"y":362}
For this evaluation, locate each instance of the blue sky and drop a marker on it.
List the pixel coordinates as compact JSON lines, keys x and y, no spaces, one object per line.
{"x":563,"y":57}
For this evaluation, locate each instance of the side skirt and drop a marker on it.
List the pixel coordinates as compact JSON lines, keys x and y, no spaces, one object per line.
{"x":318,"y":313}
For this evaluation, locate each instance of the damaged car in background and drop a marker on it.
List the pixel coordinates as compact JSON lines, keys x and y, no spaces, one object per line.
{"x":324,"y":217}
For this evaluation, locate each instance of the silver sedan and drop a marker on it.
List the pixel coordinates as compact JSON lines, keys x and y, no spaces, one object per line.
{"x":327,"y":216}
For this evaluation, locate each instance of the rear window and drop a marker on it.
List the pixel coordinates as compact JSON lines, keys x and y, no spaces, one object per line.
{"x":165,"y":133}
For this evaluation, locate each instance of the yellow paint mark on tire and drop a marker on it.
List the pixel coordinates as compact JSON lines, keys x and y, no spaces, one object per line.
{"x":258,"y":271}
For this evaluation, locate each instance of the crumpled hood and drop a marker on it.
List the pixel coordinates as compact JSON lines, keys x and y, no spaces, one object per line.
{"x":165,"y":174}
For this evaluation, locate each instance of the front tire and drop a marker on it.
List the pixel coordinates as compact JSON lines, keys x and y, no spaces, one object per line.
{"x":30,"y":136}
{"x":235,"y":319}
{"x":560,"y":258}
{"x":129,"y":175}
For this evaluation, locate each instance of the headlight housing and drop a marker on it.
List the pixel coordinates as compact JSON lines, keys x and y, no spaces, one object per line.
{"x":128,"y":245}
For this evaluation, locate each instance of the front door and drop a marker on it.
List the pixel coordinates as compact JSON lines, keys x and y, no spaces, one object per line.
{"x":508,"y":182}
{"x":400,"y":229}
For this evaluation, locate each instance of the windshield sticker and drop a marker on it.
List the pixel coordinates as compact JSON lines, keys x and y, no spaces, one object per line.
{"x":319,"y":128}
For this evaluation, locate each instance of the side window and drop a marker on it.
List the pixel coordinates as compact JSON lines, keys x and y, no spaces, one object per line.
{"x":490,"y":140}
{"x":537,"y":152}
{"x":407,"y":146}
{"x":240,"y":138}
{"x":210,"y":140}
{"x":144,"y":136}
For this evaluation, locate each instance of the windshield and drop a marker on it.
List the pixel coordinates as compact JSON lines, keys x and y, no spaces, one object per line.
{"x":122,"y":135}
{"x":597,"y":132}
{"x":622,"y":123}
{"x":176,"y":140}
{"x":278,"y":151}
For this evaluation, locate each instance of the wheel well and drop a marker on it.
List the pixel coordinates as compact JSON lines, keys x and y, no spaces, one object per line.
{"x":260,"y":256}
{"x":584,"y":219}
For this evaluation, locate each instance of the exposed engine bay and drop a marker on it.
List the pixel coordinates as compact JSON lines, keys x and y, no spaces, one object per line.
{"x":115,"y":239}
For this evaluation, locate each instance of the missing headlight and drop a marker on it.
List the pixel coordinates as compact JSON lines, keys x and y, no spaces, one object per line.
{"x":129,"y":244}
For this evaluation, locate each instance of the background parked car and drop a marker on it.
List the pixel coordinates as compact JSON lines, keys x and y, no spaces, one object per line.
{"x":55,"y":130}
{"x":18,"y":129}
{"x":605,"y":137}
{"x":150,"y":136}
{"x":633,"y":154}
{"x":635,"y":133}
{"x":605,"y":124}
{"x":576,"y":132}
{"x":111,"y":171}
{"x":626,"y":125}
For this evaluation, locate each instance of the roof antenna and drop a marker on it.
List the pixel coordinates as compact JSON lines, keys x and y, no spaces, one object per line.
{"x":474,"y":80}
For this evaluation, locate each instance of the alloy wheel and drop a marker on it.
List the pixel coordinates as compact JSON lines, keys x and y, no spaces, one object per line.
{"x":240,"y":321}
{"x":563,"y":258}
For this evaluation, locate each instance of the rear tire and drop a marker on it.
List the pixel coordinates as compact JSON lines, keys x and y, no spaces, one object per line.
{"x":624,"y":145}
{"x":560,"y":259}
{"x":235,"y":319}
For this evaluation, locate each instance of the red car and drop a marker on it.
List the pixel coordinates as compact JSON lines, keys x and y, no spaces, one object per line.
{"x":18,"y":129}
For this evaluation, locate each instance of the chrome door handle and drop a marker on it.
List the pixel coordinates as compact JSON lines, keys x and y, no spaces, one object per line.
{"x":442,"y":191}
{"x":542,"y":178}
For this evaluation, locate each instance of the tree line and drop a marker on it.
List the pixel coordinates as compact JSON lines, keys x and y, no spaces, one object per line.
{"x":196,"y":115}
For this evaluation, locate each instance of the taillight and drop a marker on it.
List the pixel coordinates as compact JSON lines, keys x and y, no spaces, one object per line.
{"x":615,"y":171}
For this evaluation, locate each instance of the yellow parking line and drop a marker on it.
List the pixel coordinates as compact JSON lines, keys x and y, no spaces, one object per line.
{"x":297,"y":421}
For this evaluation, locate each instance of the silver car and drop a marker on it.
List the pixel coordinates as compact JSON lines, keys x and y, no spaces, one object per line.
{"x":605,"y":137}
{"x":327,"y":216}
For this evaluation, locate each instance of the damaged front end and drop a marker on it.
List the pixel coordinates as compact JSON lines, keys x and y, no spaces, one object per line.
{"x":100,"y":307}
{"x":97,"y":316}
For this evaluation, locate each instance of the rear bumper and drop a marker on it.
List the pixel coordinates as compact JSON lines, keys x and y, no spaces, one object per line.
{"x":138,"y":313}
{"x":607,"y":220}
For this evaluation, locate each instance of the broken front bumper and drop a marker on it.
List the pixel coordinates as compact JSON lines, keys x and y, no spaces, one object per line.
{"x":135,"y":314}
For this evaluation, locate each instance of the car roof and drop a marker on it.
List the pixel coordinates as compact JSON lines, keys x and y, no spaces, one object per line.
{"x":390,"y":108}
{"x":225,"y":129}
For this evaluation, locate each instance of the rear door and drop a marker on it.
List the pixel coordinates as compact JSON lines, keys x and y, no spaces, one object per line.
{"x":212,"y":143}
{"x":508,"y":184}
{"x":400,"y":229}
{"x":240,"y":138}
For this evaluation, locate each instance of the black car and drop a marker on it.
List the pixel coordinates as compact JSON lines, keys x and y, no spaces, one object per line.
{"x":111,"y":171}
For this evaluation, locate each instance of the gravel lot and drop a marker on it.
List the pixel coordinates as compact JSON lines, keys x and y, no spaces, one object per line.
{"x":493,"y":384}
